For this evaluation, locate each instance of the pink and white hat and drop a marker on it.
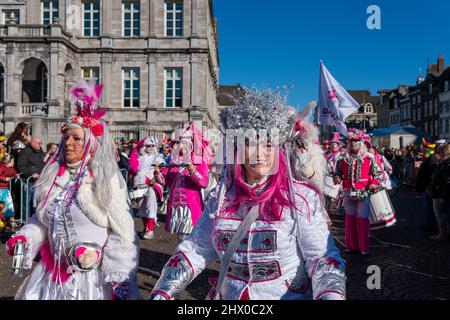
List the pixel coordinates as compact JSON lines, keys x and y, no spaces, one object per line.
{"x":334,"y":137}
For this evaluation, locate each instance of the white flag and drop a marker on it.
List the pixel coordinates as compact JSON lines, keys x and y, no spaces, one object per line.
{"x":335,"y":103}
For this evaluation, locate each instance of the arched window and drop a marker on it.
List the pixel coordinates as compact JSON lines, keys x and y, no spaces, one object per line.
{"x":368,"y":108}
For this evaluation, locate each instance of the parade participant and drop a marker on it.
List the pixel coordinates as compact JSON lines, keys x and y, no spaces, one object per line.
{"x":83,"y":227}
{"x":383,"y":164}
{"x":359,"y":173}
{"x":267,"y":230}
{"x":147,"y":183}
{"x":332,"y":190}
{"x":191,"y":157}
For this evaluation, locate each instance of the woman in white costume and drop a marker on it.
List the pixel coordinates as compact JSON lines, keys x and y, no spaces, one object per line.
{"x":267,"y":229}
{"x":83,"y":226}
{"x":147,"y":178}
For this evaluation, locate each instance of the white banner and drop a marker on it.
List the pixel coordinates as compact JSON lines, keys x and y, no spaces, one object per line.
{"x":335,"y":103}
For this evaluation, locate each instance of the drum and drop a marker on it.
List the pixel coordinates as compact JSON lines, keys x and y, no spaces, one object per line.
{"x":330,"y":189}
{"x":382,"y":212}
{"x":138,"y":193}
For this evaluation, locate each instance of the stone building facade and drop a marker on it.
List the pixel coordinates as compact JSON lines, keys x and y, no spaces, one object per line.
{"x":366,"y":117}
{"x":158,"y":61}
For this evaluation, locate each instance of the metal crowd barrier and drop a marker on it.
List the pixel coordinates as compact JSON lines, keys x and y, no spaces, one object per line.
{"x":23,"y":200}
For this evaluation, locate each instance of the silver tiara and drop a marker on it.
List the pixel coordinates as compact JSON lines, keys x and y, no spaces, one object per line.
{"x":264,"y":109}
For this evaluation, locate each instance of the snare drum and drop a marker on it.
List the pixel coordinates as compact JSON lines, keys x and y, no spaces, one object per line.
{"x":330,"y":189}
{"x":382,"y":213}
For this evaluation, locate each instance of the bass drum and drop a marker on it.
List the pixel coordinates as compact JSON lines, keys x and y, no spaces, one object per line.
{"x":382,"y":213}
{"x":330,"y":189}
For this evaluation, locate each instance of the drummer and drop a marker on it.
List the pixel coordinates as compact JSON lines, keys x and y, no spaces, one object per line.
{"x":334,"y":144}
{"x":359,"y":173}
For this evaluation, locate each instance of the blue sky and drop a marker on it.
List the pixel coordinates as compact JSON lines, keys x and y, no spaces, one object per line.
{"x":280,"y":42}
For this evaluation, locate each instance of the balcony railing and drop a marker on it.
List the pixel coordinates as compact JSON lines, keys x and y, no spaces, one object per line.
{"x":37,"y":108}
{"x":33,"y":31}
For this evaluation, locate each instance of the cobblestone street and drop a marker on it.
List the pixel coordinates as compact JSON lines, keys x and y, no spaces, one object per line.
{"x":412,"y":266}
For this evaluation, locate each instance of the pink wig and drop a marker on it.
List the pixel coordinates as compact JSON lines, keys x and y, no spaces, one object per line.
{"x":273,"y":199}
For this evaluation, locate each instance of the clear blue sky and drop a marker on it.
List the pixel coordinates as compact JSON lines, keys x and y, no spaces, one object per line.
{"x":280,"y":42}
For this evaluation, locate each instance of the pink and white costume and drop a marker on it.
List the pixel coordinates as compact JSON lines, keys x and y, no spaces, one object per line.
{"x":185,"y":204}
{"x":294,"y":258}
{"x":357,"y":170}
{"x":83,"y":227}
{"x":287,"y":252}
{"x":143,"y":169}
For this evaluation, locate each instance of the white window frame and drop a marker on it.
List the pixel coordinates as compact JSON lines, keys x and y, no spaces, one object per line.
{"x":133,"y":11}
{"x":6,"y":11}
{"x":369,"y":108}
{"x":174,"y":80}
{"x":91,"y":73}
{"x":174,"y":20}
{"x":51,"y":10}
{"x":135,"y":74}
{"x":91,"y":18}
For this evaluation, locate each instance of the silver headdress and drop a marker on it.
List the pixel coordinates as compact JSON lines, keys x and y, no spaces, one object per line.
{"x":260,"y":110}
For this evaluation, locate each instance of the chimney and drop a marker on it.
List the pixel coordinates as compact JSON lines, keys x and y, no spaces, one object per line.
{"x":440,"y":64}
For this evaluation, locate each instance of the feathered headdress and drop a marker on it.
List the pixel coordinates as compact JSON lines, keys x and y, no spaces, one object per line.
{"x":85,"y":96}
{"x":355,"y":134}
{"x":260,"y":110}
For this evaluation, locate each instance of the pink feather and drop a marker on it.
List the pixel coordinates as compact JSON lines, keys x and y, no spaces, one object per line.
{"x":134,"y":161}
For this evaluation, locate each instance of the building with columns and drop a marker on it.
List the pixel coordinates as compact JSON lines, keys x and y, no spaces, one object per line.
{"x":158,"y":61}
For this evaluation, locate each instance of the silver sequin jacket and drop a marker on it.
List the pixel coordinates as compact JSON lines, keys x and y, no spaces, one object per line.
{"x":294,"y":258}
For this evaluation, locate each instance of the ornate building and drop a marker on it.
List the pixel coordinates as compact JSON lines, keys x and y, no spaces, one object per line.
{"x":366,"y":117}
{"x":158,"y":61}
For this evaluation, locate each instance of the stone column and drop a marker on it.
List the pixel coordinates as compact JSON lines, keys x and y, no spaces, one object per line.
{"x":194,"y":82}
{"x":151,"y":24}
{"x":30,"y":12}
{"x":62,"y":13}
{"x":53,"y":72}
{"x":194,"y":18}
{"x":106,"y":18}
{"x":53,"y":83}
{"x":194,"y":24}
{"x":9,"y":74}
{"x":106,"y":75}
{"x":151,"y":17}
{"x":151,"y":83}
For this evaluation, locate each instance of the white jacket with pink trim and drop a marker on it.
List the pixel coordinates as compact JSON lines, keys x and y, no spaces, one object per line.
{"x":294,"y":258}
